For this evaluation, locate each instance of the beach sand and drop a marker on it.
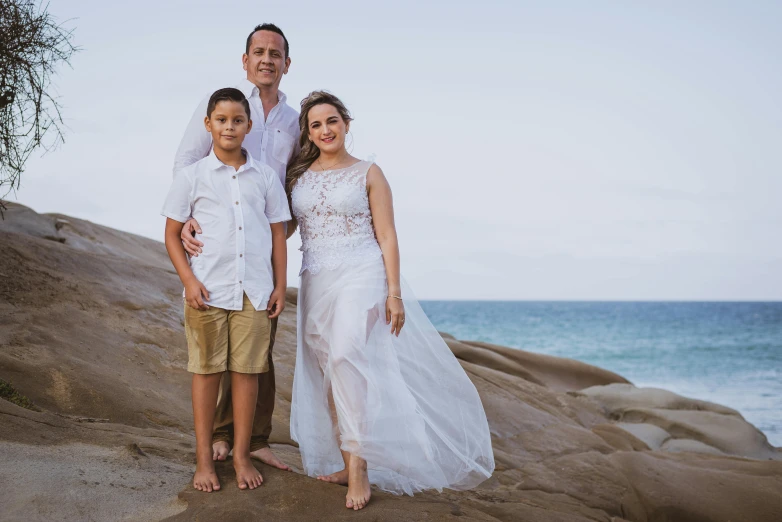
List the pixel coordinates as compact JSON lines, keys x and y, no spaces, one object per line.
{"x":91,"y":333}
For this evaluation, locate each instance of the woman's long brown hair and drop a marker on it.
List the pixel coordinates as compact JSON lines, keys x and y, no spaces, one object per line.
{"x":309,"y":151}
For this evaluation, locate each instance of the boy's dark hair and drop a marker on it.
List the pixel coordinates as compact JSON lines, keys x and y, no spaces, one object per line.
{"x":267,"y":27}
{"x":227,"y":94}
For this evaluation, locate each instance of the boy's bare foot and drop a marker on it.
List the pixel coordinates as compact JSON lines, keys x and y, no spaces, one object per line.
{"x":266,"y":456}
{"x":246,"y":474}
{"x":205,"y":478}
{"x":220,"y":450}
{"x":340,"y":477}
{"x":358,"y":484}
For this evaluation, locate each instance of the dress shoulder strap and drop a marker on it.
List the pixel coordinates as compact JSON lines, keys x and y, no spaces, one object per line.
{"x":364,"y":170}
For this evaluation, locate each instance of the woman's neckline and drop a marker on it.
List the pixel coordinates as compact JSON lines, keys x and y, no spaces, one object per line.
{"x":334,"y":170}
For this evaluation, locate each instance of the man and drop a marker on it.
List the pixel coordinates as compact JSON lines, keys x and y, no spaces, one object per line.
{"x":272,"y":140}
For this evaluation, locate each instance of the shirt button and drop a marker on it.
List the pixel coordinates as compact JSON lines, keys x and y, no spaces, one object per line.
{"x":237,"y":202}
{"x":234,"y":177}
{"x":240,"y":228}
{"x":240,"y":282}
{"x":240,"y":255}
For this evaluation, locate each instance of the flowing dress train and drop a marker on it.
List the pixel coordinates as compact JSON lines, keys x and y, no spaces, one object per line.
{"x":404,"y":404}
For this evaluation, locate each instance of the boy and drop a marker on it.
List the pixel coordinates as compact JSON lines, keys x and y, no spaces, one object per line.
{"x":230,"y":291}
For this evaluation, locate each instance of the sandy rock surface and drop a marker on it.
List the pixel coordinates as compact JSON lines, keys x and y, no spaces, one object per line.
{"x":91,"y":332}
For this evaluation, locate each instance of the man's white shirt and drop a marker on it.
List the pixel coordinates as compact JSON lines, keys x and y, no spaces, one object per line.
{"x":272,"y":141}
{"x":234,"y":209}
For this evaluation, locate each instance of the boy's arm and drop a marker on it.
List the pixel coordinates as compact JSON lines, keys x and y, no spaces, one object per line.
{"x":280,"y":267}
{"x":194,"y":289}
{"x":277,"y":213}
{"x":292,"y":225}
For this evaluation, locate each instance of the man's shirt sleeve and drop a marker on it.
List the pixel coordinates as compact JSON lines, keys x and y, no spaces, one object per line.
{"x":196,"y":141}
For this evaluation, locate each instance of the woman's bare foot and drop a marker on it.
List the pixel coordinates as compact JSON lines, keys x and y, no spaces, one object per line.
{"x":340,"y":477}
{"x":246,"y":474}
{"x":205,"y":478}
{"x":358,"y":484}
{"x":266,"y":456}
{"x":220,"y":450}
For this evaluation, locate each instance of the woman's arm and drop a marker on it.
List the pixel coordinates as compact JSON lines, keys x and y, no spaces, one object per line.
{"x":382,"y":207}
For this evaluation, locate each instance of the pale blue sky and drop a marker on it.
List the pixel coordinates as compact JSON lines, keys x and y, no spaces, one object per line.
{"x":537,"y":150}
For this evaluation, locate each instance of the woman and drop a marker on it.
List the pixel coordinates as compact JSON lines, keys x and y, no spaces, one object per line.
{"x":378,"y":397}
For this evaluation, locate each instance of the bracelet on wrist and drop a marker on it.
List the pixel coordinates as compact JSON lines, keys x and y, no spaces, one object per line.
{"x":396,"y":296}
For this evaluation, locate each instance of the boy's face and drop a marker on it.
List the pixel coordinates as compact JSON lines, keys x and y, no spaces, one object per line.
{"x":228,"y":124}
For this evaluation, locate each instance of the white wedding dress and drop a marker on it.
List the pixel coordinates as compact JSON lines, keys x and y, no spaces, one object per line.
{"x":404,"y":404}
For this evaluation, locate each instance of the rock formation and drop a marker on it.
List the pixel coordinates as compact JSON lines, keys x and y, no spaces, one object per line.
{"x":91,"y":336}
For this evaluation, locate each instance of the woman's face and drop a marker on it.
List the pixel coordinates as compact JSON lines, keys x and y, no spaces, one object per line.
{"x":327,"y":129}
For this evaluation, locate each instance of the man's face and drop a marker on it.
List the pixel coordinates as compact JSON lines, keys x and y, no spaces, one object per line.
{"x":266,"y":62}
{"x":228,"y":124}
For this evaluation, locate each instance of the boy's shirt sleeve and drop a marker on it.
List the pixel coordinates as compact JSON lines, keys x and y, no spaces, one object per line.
{"x":179,"y":201}
{"x":276,"y":200}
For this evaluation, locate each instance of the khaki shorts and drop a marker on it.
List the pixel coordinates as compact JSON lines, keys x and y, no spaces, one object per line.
{"x":233,"y":340}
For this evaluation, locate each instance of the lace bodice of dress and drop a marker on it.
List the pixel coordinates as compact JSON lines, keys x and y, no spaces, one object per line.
{"x":335,"y":223}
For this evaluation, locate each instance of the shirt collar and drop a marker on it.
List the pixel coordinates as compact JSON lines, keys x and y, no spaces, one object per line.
{"x":249,"y":89}
{"x":214,"y":163}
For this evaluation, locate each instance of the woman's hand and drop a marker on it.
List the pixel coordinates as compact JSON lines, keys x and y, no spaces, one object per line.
{"x":191,"y":244}
{"x":395,"y":314}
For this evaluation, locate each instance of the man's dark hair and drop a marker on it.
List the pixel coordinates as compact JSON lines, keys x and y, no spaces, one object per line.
{"x":267,"y":27}
{"x":227,"y":94}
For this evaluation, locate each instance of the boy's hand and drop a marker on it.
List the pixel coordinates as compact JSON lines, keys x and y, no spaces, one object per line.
{"x":276,"y":303}
{"x":191,"y":244}
{"x":193,"y":295}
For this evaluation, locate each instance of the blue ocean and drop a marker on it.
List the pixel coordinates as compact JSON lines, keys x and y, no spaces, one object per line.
{"x":723,"y":352}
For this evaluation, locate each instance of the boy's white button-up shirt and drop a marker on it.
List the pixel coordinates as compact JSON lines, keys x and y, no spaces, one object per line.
{"x":272,"y":140}
{"x":234,"y":209}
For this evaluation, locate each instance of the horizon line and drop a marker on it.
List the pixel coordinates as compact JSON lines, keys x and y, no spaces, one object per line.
{"x":590,"y":300}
